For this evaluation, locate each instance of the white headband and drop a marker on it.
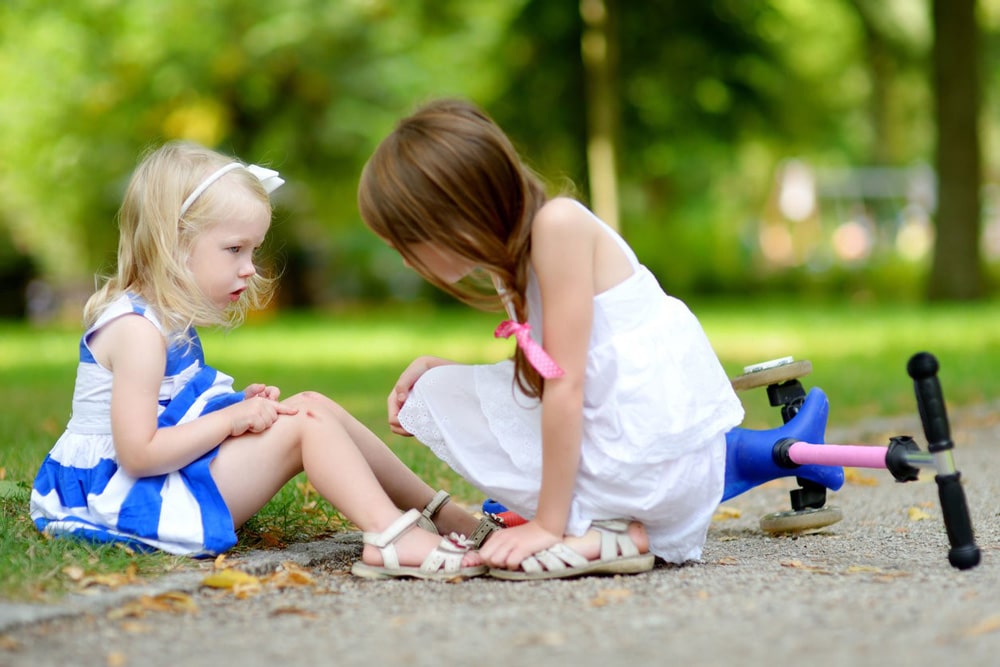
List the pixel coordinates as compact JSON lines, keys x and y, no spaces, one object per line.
{"x":268,"y":178}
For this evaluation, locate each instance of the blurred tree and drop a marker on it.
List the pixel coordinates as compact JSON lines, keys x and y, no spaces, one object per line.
{"x":307,"y":86}
{"x":696,"y":91}
{"x":599,"y":49}
{"x":699,"y":102}
{"x":957,"y":269}
{"x":891,"y":49}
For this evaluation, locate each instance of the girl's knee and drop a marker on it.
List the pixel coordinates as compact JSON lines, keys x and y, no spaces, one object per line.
{"x":314,"y":405}
{"x":306,"y":399}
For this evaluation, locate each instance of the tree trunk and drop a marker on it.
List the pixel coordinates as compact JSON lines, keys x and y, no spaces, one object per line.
{"x":881,"y":56}
{"x":957,"y":271}
{"x":598,"y":49}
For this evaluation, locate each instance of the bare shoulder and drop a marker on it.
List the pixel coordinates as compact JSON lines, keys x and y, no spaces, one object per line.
{"x":561,"y":217}
{"x":130,"y":333}
{"x":563,"y":242}
{"x":565,"y":232}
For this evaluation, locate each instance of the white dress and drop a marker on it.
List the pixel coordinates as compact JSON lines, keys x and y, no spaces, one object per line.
{"x":657,"y":405}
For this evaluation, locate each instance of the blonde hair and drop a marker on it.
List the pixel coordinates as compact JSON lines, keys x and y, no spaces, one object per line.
{"x":155,"y":241}
{"x":448,"y":175}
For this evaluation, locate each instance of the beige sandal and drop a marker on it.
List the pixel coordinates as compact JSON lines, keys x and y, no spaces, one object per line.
{"x":487,"y":526}
{"x":426,"y":520}
{"x":444,"y":563}
{"x":619,"y":555}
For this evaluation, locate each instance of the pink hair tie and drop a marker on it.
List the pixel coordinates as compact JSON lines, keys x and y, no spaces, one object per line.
{"x":533,"y":352}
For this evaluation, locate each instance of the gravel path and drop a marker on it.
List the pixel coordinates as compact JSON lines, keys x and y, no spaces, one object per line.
{"x":874,"y":589}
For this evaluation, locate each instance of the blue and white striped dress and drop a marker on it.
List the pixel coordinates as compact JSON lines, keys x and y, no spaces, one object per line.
{"x":81,"y":491}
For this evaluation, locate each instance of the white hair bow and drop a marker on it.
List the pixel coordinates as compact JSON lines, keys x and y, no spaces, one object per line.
{"x":268,"y":178}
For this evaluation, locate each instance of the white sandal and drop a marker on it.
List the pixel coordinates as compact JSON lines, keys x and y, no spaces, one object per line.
{"x":619,"y":555}
{"x":444,"y":563}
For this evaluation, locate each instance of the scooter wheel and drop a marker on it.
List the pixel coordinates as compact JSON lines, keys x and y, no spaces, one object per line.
{"x":797,"y":521}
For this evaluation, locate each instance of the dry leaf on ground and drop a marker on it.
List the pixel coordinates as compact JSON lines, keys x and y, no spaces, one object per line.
{"x":726,"y":513}
{"x":173,"y":602}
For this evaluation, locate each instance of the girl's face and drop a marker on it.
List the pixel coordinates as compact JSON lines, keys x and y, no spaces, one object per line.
{"x":444,"y":264}
{"x":222,"y":256}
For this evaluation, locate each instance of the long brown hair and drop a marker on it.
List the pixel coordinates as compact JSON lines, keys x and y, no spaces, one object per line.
{"x":449,"y":176}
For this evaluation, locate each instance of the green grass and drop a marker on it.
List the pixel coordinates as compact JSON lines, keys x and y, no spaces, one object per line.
{"x":859,"y":355}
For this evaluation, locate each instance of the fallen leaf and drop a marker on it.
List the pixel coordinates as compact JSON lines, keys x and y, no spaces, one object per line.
{"x":726,"y":513}
{"x":550,"y":638}
{"x":116,"y":659}
{"x":294,"y":611}
{"x":854,"y":476}
{"x":917,"y":514}
{"x":270,"y":540}
{"x":172,"y":601}
{"x":8,"y":643}
{"x":797,"y":564}
{"x":229,"y":578}
{"x":246,"y":589}
{"x":110,"y":580}
{"x":136,"y":628}
{"x":985,"y":626}
{"x":290,"y":574}
{"x":609,"y":595}
{"x":306,"y":488}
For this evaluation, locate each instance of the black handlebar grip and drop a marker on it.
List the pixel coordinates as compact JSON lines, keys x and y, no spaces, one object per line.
{"x":964,"y":553}
{"x":923,"y":368}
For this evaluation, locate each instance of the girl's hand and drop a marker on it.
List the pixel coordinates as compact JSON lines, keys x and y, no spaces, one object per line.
{"x":401,"y":391}
{"x":508,"y":547}
{"x":256,"y":414}
{"x":264,"y":391}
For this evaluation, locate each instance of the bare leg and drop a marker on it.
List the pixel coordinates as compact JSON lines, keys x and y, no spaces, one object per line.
{"x":403,"y":486}
{"x":251,"y":468}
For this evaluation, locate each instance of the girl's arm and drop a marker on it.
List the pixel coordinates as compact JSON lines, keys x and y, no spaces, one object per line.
{"x":562,"y":255}
{"x":135,"y":353}
{"x":401,"y":390}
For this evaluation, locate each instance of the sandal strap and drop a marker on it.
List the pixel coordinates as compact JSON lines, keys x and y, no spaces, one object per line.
{"x":615,"y":540}
{"x":426,"y":520}
{"x":446,"y":557}
{"x":555,"y":558}
{"x":385,"y":541}
{"x":486,"y":527}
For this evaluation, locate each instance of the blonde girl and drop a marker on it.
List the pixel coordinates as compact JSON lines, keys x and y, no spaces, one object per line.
{"x":160,"y":451}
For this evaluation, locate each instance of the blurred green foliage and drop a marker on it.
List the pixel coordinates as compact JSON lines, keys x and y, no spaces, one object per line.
{"x":713,"y":96}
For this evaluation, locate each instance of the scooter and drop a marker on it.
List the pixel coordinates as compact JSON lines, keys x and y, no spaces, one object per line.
{"x":798,"y":449}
